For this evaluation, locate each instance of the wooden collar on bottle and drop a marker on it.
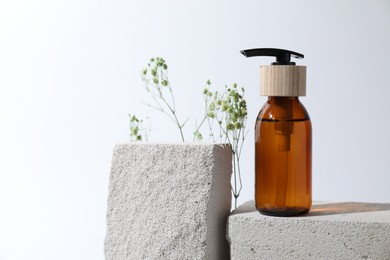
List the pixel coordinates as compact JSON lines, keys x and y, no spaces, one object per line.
{"x":282,"y":80}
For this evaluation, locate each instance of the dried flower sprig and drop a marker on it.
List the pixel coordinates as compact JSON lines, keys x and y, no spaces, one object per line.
{"x":229,"y":110}
{"x":155,"y":77}
{"x":226,"y":111}
{"x":137,"y":131}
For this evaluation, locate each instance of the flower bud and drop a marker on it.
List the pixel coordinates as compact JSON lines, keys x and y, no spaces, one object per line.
{"x":154,"y":71}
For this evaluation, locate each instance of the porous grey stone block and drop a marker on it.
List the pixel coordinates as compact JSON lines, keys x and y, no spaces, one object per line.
{"x":168,"y":201}
{"x":330,"y":231}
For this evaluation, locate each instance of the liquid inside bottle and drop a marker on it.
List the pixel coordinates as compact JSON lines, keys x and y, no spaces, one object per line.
{"x":283,"y":148}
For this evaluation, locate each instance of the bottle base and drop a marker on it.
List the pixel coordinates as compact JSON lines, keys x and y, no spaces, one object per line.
{"x":284,"y":212}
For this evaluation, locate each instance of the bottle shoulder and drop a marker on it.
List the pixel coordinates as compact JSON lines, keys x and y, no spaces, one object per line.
{"x":283,"y":109}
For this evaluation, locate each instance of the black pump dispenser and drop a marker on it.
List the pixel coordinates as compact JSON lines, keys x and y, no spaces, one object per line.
{"x":283,"y":57}
{"x":281,"y":78}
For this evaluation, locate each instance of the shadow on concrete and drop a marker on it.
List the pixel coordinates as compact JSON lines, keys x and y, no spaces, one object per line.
{"x":247,"y":207}
{"x":345,"y":208}
{"x":323,"y":209}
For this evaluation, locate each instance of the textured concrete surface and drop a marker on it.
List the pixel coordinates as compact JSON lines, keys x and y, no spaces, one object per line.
{"x":168,"y":201}
{"x":330,"y":231}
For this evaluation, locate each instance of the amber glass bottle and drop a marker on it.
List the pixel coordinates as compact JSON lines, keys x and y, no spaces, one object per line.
{"x":283,"y":158}
{"x":282,"y":137}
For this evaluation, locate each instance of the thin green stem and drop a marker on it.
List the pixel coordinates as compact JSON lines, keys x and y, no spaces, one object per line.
{"x":235,"y":180}
{"x":197,"y":128}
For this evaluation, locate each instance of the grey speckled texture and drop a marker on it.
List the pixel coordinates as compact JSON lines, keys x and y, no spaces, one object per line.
{"x":168,"y":201}
{"x":347,"y":230}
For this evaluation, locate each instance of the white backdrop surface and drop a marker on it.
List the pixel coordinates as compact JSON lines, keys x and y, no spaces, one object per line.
{"x":70,"y":73}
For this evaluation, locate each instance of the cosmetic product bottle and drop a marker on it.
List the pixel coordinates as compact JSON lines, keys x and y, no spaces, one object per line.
{"x":283,"y":137}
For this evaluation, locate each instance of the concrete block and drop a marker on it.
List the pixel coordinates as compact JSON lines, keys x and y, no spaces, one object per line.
{"x":330,"y":231}
{"x":168,"y":201}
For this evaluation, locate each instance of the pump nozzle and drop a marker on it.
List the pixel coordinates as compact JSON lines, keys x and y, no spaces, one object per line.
{"x":283,"y":57}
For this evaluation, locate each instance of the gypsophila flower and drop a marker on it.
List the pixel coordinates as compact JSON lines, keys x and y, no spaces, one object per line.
{"x":229,"y":110}
{"x":134,"y":128}
{"x":164,"y":82}
{"x":154,"y":71}
{"x":225,"y":111}
{"x":155,"y":77}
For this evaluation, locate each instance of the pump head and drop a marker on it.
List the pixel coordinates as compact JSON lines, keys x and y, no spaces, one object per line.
{"x":283,"y":57}
{"x":286,"y":79}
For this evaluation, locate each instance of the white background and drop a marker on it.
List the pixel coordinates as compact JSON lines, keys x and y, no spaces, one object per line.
{"x":70,"y":73}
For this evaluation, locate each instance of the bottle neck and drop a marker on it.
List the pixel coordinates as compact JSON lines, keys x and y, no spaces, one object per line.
{"x":283,"y":108}
{"x":284,"y":102}
{"x":278,"y":98}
